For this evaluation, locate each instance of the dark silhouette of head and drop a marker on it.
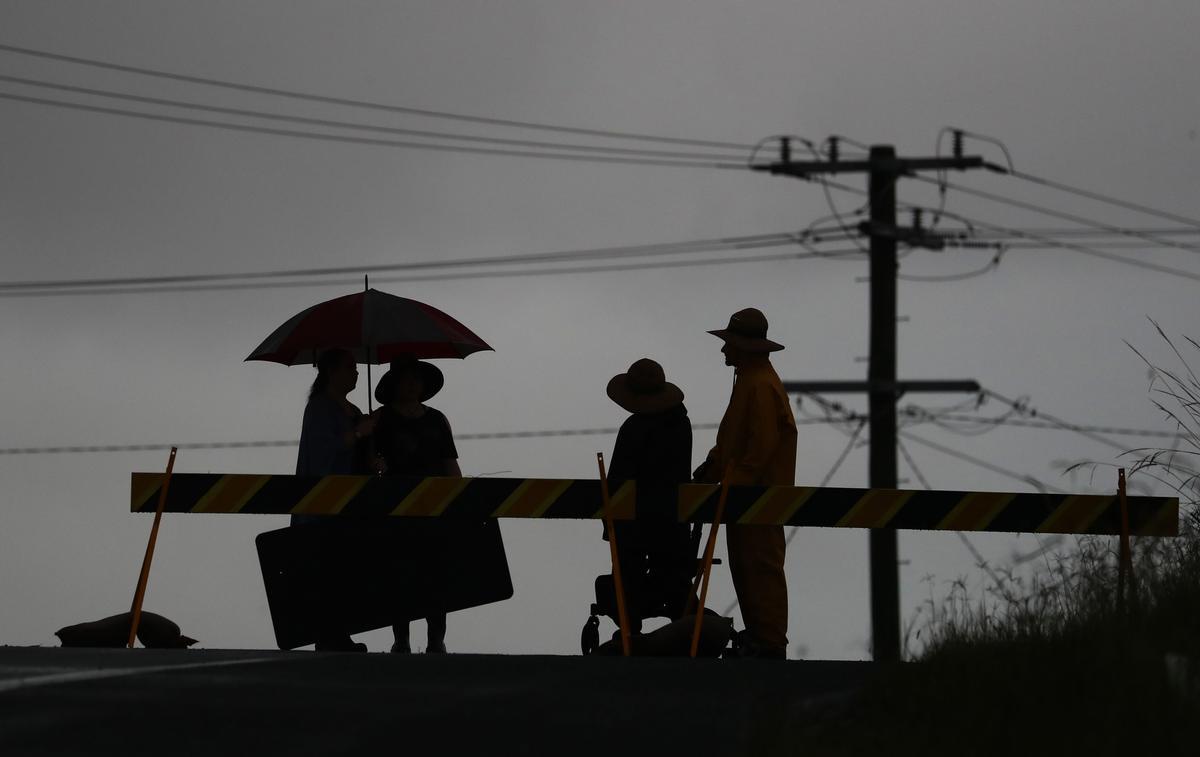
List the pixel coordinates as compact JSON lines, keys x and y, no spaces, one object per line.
{"x":409,"y":380}
{"x":336,"y":373}
{"x":745,"y":338}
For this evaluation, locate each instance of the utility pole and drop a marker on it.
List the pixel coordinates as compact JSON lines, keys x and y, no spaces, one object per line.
{"x":883,"y":169}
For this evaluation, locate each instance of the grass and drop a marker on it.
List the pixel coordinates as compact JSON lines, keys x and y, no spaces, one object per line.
{"x":1053,"y":662}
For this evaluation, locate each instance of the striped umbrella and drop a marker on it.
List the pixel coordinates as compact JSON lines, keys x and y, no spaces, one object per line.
{"x":374,"y":326}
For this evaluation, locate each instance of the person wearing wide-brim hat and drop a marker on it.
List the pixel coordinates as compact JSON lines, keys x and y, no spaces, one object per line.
{"x":413,"y":439}
{"x":756,"y":446}
{"x":653,"y":447}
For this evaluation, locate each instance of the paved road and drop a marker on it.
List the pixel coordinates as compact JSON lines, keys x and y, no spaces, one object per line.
{"x":168,"y":702}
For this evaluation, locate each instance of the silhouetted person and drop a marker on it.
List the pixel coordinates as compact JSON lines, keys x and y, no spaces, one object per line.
{"x":414,"y":439}
{"x":332,"y":441}
{"x":757,"y":442}
{"x":653,"y":447}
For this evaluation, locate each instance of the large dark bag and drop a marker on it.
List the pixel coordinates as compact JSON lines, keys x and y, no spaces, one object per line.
{"x":359,"y":575}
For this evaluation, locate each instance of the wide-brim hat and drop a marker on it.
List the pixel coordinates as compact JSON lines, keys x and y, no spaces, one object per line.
{"x":747,"y":330}
{"x":644,"y":389}
{"x":432,"y":379}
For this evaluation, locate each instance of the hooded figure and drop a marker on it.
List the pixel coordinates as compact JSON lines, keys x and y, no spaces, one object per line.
{"x":653,"y":448}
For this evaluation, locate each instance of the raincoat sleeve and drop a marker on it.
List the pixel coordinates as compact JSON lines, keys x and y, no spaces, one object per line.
{"x":760,"y":425}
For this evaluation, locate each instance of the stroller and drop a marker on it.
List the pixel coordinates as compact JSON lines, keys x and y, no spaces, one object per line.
{"x":658,"y":564}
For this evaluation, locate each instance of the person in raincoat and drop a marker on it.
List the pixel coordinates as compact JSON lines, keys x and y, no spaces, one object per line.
{"x":653,"y":448}
{"x":413,"y":439}
{"x":333,"y":440}
{"x":756,"y":444}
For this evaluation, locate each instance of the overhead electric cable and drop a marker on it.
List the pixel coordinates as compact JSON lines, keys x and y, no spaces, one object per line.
{"x":1027,"y":423}
{"x":560,"y":271}
{"x":982,"y":563}
{"x":991,"y":265}
{"x":594,"y":253}
{"x":1023,"y":409}
{"x":608,"y":133}
{"x":980,"y":463}
{"x":1077,"y":232}
{"x":1073,"y":217}
{"x":485,"y":436}
{"x":1048,"y":242}
{"x":1096,"y":196}
{"x":367,"y":127}
{"x":367,"y":140}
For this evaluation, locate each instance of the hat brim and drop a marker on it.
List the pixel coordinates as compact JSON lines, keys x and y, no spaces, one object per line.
{"x":749,"y":344}
{"x":666,"y":398}
{"x":432,"y":381}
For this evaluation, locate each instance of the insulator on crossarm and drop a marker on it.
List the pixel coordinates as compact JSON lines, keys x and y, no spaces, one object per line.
{"x":916,"y":218}
{"x":834,"y":148}
{"x":785,"y":149}
{"x":958,"y":143}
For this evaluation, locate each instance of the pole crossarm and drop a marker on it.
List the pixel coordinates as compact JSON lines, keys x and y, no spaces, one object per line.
{"x":896,"y":166}
{"x":805,"y":506}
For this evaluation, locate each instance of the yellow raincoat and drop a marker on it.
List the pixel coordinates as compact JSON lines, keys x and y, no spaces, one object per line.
{"x":757,"y":437}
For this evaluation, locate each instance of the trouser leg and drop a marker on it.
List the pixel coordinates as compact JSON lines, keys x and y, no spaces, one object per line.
{"x":437,"y":628}
{"x":756,"y":556}
{"x":400,"y":631}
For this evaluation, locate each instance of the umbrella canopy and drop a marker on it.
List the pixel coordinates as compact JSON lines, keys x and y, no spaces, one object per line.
{"x":375,"y":326}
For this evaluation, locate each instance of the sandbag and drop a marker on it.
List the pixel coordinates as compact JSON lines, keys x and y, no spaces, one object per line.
{"x":154,"y":631}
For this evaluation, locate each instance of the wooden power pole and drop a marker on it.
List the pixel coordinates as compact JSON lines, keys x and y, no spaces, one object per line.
{"x":883,"y":169}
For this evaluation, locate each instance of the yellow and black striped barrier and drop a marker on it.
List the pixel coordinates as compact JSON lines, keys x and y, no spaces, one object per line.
{"x":475,"y":498}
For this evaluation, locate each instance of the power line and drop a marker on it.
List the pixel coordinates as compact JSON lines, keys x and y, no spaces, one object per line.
{"x":1023,"y":409}
{"x":831,"y":407}
{"x":594,"y":253}
{"x":560,"y":271}
{"x":1090,"y":251}
{"x":1010,"y":170}
{"x":1116,"y":230}
{"x":486,"y":436}
{"x":982,"y":563}
{"x":1075,"y":232}
{"x":991,"y":265}
{"x":979,"y":462}
{"x":366,"y":140}
{"x":1097,"y":196}
{"x":363,"y":127}
{"x":1048,"y":242}
{"x":1027,"y":423}
{"x":608,"y":133}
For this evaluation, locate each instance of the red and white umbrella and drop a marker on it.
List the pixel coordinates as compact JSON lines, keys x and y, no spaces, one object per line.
{"x":374,"y":326}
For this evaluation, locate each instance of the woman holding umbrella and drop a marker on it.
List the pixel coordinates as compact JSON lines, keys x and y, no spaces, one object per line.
{"x":332,"y":442}
{"x":333,"y":428}
{"x":413,"y":439}
{"x":370,"y":327}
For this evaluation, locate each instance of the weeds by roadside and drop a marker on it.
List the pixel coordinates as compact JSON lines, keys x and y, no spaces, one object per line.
{"x":1051,"y":662}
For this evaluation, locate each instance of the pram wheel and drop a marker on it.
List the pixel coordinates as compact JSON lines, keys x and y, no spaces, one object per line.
{"x":589,"y":638}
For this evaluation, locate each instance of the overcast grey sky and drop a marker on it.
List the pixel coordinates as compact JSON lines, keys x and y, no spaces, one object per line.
{"x":1097,"y":94}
